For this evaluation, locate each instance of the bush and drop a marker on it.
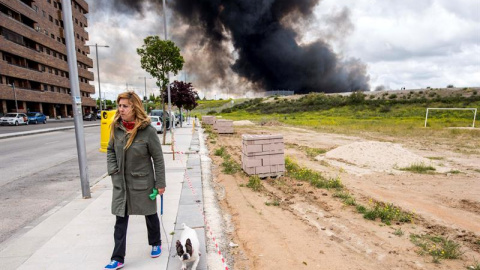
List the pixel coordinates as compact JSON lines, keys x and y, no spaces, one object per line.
{"x":255,"y":183}
{"x":211,"y":112}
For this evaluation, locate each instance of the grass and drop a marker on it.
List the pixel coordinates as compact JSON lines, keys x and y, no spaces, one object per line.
{"x":339,"y":115}
{"x":229,"y":165}
{"x":220,"y":152}
{"x":419,"y":168}
{"x":312,"y":152}
{"x":436,"y":246}
{"x":345,"y":197}
{"x":315,"y":178}
{"x":274,"y":203}
{"x":255,"y":183}
{"x":386,"y":212}
{"x":398,"y":232}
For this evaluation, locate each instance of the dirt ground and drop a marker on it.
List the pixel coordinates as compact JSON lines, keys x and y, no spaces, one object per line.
{"x":311,"y":229}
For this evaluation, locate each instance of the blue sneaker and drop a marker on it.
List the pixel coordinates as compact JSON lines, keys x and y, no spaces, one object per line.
{"x":156,"y":251}
{"x":113,"y":265}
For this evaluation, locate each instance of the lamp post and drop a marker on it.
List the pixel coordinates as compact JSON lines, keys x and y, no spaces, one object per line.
{"x":168,"y":73}
{"x":98,"y":70}
{"x":145,"y":93}
{"x":15,"y":96}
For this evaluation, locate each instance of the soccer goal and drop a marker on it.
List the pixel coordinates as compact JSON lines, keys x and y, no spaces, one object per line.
{"x":474,"y":110}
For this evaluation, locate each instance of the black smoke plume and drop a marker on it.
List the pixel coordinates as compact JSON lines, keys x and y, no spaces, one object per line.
{"x":266,"y":53}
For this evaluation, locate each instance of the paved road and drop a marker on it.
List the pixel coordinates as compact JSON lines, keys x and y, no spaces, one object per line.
{"x":39,"y":172}
{"x":49,"y":124}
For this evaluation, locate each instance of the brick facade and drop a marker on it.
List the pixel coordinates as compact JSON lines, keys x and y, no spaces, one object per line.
{"x":33,"y":56}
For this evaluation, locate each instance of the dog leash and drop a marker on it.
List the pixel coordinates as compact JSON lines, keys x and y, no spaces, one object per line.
{"x":161,"y":219}
{"x":152,"y":197}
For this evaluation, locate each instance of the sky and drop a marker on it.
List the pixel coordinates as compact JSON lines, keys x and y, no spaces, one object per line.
{"x":403,"y":43}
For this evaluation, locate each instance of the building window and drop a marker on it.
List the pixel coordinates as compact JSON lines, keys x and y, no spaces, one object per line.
{"x":50,"y":18}
{"x":45,"y":87}
{"x":55,"y":4}
{"x":52,"y":36}
{"x":54,"y":53}
{"x":44,"y":13}
{"x":57,"y":22}
{"x":49,"y":1}
{"x":76,"y":20}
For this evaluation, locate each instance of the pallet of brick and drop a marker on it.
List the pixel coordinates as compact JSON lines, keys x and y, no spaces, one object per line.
{"x":209,"y":119}
{"x":222,"y":126}
{"x":263,"y":155}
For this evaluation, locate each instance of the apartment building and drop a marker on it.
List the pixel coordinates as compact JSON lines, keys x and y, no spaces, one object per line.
{"x":34,"y":73}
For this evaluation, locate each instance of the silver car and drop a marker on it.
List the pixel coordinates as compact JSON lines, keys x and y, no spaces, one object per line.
{"x":14,"y":119}
{"x":156,"y":123}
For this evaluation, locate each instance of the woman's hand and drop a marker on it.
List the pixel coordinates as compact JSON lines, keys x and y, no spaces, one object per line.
{"x":161,"y":191}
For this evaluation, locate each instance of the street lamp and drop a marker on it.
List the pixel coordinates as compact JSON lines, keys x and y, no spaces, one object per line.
{"x":145,"y":94}
{"x":98,"y":70}
{"x":15,"y":96}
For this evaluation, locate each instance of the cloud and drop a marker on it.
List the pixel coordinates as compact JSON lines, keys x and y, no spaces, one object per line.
{"x":404,"y":43}
{"x":415,"y":43}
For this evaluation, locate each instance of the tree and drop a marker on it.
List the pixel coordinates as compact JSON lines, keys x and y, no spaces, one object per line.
{"x":183,"y":96}
{"x":159,"y":58}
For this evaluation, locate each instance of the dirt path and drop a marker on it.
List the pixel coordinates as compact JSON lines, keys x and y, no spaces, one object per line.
{"x":291,"y":225}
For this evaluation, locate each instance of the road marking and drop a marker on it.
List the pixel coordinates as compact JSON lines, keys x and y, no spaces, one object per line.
{"x":51,"y":142}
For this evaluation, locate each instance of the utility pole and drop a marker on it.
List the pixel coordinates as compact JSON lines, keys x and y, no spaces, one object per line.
{"x":76,"y":97}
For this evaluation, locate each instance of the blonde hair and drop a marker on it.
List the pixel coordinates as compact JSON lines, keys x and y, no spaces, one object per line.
{"x":138,"y":112}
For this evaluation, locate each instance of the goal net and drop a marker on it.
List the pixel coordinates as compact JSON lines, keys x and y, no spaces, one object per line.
{"x":474,"y":110}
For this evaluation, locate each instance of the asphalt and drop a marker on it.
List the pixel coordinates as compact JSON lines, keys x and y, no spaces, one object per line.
{"x":79,"y":234}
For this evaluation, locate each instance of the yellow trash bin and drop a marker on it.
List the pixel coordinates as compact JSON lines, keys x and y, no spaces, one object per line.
{"x":106,"y":121}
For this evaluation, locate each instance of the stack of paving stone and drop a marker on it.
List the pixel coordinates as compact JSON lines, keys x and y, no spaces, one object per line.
{"x":263,"y":155}
{"x":209,"y":119}
{"x":222,"y":126}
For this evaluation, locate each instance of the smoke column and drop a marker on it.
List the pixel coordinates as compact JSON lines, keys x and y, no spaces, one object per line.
{"x":265,"y":54}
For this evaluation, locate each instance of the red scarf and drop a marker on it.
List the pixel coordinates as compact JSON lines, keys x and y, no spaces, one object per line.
{"x":128,"y":125}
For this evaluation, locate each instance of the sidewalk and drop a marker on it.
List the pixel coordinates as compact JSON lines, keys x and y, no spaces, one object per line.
{"x":79,"y":235}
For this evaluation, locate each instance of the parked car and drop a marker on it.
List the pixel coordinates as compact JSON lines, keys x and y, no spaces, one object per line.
{"x":14,"y":119}
{"x":36,"y":117}
{"x":156,"y":122}
{"x":159,"y":113}
{"x":90,"y":117}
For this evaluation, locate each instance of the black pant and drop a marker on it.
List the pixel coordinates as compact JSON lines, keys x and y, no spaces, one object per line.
{"x":120,"y":235}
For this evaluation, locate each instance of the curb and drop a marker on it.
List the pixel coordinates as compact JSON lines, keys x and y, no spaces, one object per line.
{"x":40,"y":131}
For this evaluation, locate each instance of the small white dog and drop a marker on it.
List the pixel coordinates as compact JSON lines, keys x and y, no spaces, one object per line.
{"x":188,"y":247}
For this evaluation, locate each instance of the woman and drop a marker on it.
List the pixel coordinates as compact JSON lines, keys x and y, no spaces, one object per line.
{"x":135,"y":163}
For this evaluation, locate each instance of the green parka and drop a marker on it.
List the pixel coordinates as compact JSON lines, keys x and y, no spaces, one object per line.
{"x":135,"y":171}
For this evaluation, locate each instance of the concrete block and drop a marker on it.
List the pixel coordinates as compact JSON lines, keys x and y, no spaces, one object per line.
{"x":253,"y":149}
{"x":262,"y":169}
{"x":249,"y":170}
{"x":277,"y":159}
{"x":252,"y":162}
